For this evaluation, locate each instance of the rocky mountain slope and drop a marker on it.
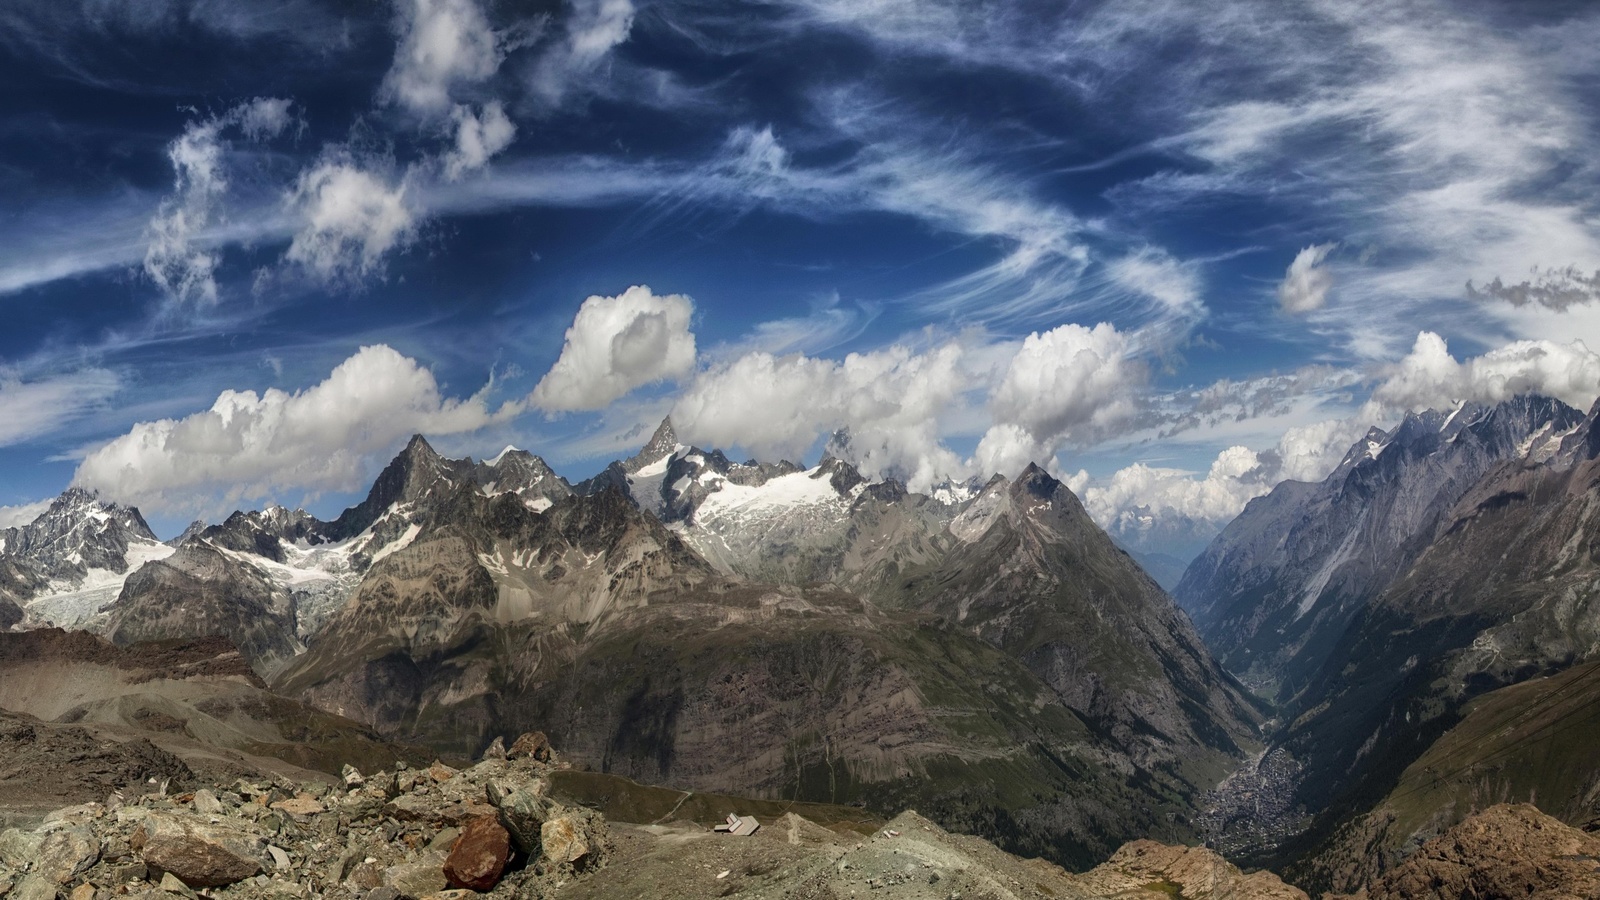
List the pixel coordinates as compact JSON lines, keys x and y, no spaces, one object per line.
{"x":1504,"y":594}
{"x":1276,"y":591}
{"x":197,"y":700}
{"x":1532,"y":742}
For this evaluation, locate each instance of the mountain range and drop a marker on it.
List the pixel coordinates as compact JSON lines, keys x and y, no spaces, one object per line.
{"x":983,"y":652}
{"x":1344,"y":674}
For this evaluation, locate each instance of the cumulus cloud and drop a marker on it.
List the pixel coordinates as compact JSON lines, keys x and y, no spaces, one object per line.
{"x":175,"y":259}
{"x":594,"y":28}
{"x":1429,"y":377}
{"x":1555,"y":289}
{"x":890,"y":402}
{"x":444,"y":44}
{"x":479,"y":136}
{"x":349,"y":217}
{"x":249,"y":446}
{"x":1141,"y":492}
{"x":1069,"y":385}
{"x":617,"y":344}
{"x":34,"y":408}
{"x":1305,"y":285}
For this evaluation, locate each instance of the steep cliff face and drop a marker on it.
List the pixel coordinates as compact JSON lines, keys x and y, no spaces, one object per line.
{"x":1504,"y":594}
{"x":1275,"y":592}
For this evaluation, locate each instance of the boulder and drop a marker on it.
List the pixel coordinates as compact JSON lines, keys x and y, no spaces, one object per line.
{"x":479,"y":856}
{"x":496,"y":749}
{"x":532,"y":745}
{"x":206,"y":803}
{"x":352,"y":776}
{"x":18,"y":848}
{"x":199,"y":854}
{"x":574,"y":837}
{"x":415,"y":880}
{"x":523,"y":812}
{"x":66,"y":854}
{"x":32,"y":887}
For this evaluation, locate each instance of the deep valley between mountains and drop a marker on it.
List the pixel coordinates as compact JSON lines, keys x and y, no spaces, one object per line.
{"x":1352,"y":677}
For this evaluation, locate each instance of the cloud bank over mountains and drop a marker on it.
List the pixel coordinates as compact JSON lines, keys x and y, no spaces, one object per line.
{"x":955,"y":240}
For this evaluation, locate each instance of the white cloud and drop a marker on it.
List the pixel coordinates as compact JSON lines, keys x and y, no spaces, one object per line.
{"x":891,"y":401}
{"x":22,"y":514}
{"x":478,"y":137}
{"x":175,"y":259}
{"x":249,"y":446}
{"x":349,"y":218}
{"x":1305,"y":285}
{"x":444,"y":44}
{"x":594,"y":29}
{"x":617,"y":344}
{"x":34,"y":408}
{"x":1139,"y":491}
{"x":1429,"y":377}
{"x":1068,"y":385}
{"x":1153,"y":273}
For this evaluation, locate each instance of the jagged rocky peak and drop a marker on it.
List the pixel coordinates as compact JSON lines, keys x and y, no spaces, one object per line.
{"x":843,"y":476}
{"x":662,"y":444}
{"x":79,"y":530}
{"x":409,"y":478}
{"x":524,"y":474}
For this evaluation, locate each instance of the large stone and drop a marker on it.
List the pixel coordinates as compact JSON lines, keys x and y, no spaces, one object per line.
{"x":206,"y":803}
{"x":565,"y":840}
{"x":300,"y":806}
{"x":66,"y":854}
{"x":415,"y":880}
{"x":32,"y":887}
{"x":18,"y":848}
{"x":532,"y":745}
{"x":479,"y":856}
{"x":199,"y":854}
{"x":523,"y":812}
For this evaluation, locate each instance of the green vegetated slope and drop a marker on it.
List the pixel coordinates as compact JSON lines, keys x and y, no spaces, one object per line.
{"x":1533,"y":742}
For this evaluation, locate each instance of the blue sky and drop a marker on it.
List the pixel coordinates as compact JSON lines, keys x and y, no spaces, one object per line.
{"x":1177,"y":252}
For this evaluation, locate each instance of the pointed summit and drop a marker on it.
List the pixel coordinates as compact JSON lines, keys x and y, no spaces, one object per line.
{"x":663,"y":443}
{"x":407,"y":478}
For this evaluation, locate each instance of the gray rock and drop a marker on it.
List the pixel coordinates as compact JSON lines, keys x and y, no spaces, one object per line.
{"x":523,"y":812}
{"x":206,"y":803}
{"x":66,"y":854}
{"x":19,"y":848}
{"x":32,"y":887}
{"x":415,"y":880}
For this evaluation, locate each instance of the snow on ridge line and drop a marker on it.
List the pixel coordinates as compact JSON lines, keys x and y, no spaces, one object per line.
{"x":502,"y":455}
{"x":782,"y":492}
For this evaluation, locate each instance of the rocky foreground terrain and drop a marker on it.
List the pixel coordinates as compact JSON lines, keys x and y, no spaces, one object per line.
{"x":503,"y":828}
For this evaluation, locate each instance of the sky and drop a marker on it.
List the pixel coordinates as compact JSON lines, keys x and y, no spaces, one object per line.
{"x":1174,"y":252}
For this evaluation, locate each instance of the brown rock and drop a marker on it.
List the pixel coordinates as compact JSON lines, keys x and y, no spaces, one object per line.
{"x":199,"y":854}
{"x":1504,"y":851}
{"x":563,"y":840}
{"x":83,"y":891}
{"x":440,"y":772}
{"x":479,"y":856}
{"x":1194,"y":872}
{"x":532,"y":745}
{"x":300,"y":806}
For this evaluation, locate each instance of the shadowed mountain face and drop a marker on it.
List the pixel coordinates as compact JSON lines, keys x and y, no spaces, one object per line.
{"x":1504,"y":593}
{"x":1274,"y":594}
